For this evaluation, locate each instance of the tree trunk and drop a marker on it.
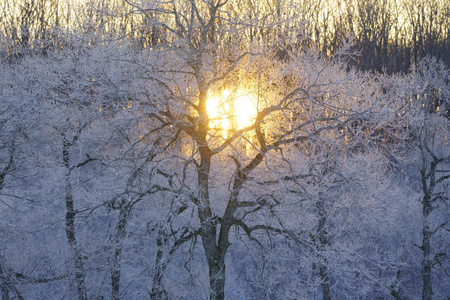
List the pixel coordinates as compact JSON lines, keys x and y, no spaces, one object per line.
{"x":323,"y":242}
{"x":215,"y":258}
{"x":216,"y":261}
{"x":325,"y":282}
{"x":428,"y":177}
{"x":158,"y":291}
{"x":70,"y":230}
{"x":427,"y":290}
{"x":216,"y":278}
{"x":213,"y":253}
{"x":117,"y":260}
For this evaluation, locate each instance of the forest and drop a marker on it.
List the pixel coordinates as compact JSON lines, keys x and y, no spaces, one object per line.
{"x":224,"y":149}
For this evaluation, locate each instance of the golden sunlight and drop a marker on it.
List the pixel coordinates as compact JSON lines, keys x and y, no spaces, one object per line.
{"x":227,"y":111}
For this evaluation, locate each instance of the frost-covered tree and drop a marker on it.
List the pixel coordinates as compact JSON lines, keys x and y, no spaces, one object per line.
{"x":300,"y":101}
{"x":223,"y":160}
{"x":430,"y":92}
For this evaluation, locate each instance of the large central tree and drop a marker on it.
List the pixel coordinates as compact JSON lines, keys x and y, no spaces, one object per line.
{"x":204,"y":48}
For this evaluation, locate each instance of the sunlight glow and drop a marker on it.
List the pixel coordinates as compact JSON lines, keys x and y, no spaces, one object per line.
{"x":231,"y":111}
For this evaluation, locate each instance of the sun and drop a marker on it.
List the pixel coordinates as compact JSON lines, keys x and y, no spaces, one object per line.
{"x":231,"y":111}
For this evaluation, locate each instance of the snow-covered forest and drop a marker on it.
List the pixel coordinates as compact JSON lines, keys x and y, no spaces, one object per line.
{"x":224,"y":149}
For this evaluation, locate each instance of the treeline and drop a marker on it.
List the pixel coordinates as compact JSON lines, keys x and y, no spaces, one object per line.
{"x":388,"y":35}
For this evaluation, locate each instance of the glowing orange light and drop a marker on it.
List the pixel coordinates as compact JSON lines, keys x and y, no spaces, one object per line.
{"x":228,"y":111}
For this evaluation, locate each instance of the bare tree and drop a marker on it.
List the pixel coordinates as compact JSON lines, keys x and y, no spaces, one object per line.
{"x":432,"y":134}
{"x":294,"y":108}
